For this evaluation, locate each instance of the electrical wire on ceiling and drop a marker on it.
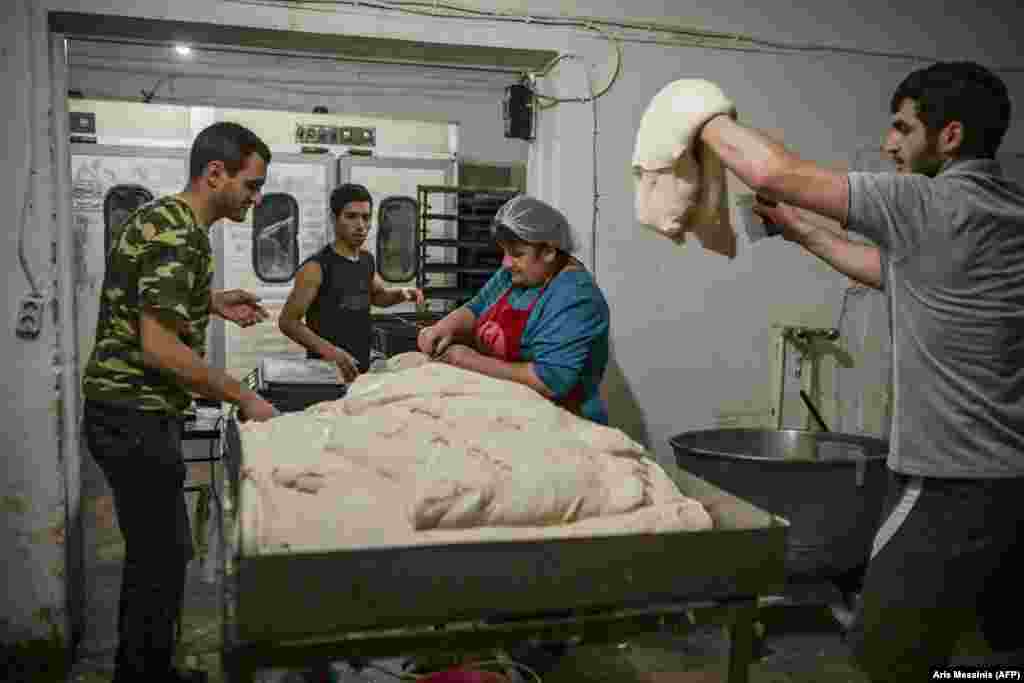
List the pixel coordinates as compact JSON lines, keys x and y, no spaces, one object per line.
{"x":597,"y":195}
{"x":148,"y":95}
{"x":677,"y":35}
{"x":592,"y":99}
{"x":30,"y":170}
{"x":23,"y":220}
{"x":549,"y":101}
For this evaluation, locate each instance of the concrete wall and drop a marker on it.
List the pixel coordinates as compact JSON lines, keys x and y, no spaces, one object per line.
{"x":690,"y":328}
{"x":32,"y":491}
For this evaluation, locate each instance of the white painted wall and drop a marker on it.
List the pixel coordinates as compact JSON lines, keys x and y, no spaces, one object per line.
{"x":690,"y":328}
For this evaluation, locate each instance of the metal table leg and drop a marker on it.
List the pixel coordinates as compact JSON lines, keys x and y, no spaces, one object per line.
{"x":741,"y":639}
{"x":236,"y":670}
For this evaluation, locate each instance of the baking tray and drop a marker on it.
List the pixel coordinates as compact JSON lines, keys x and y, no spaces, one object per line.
{"x":314,"y":595}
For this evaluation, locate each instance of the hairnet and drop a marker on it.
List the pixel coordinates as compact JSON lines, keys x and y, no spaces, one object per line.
{"x":532,"y":220}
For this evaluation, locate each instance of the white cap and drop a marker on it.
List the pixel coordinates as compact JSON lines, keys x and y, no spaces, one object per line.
{"x":532,"y":220}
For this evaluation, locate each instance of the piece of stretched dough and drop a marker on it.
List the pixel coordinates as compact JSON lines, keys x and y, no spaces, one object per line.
{"x":679,"y":182}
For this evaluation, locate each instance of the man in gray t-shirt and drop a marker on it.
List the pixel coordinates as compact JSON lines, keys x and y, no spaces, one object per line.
{"x":952,"y":265}
{"x":948,"y":233}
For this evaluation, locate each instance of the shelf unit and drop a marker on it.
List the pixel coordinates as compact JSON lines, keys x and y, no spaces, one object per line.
{"x":470,"y":257}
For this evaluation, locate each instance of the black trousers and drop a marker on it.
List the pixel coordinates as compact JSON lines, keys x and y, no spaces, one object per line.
{"x":948,"y":555}
{"x":140,"y":455}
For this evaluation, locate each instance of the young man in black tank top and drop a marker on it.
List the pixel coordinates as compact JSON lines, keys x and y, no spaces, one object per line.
{"x":328,"y":310}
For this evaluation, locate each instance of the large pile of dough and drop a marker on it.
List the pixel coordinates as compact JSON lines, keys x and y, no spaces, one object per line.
{"x":429,"y":453}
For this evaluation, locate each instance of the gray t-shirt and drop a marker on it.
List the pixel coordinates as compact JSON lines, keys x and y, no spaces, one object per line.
{"x":953,"y":268}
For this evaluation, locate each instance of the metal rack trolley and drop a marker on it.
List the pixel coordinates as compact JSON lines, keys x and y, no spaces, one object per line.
{"x":475,"y":208}
{"x":295,"y":609}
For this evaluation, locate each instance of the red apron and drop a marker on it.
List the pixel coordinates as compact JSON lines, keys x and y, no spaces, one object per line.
{"x":499,"y":333}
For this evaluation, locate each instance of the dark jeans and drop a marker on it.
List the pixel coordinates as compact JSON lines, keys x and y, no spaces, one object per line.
{"x":953,"y":560}
{"x":140,"y":455}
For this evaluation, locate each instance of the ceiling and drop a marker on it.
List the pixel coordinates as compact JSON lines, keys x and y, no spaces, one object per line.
{"x":348,"y":48}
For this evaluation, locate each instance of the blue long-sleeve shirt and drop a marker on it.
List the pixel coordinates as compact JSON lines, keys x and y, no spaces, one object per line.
{"x":566,"y":335}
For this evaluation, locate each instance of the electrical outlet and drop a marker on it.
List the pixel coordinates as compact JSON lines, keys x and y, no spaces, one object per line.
{"x":356,"y":135}
{"x":365,"y":136}
{"x":28,"y":322}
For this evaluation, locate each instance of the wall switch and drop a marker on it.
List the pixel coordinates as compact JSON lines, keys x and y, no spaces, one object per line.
{"x":28,"y":322}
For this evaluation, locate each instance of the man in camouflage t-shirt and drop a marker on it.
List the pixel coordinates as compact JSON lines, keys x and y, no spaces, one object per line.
{"x":155,"y":306}
{"x":162,"y":262}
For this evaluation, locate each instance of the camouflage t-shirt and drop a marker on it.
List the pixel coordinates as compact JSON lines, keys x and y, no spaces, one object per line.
{"x":162,"y":261}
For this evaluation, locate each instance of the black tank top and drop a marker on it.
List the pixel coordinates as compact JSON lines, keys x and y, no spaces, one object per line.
{"x":340,"y":312}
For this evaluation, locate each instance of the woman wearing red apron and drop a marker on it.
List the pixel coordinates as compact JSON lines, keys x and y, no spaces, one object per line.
{"x":541,"y":320}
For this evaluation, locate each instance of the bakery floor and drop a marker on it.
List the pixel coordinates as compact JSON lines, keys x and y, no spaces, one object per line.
{"x":800,"y":644}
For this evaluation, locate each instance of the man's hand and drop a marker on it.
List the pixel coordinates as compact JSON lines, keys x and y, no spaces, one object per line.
{"x":238,"y":306}
{"x":433,"y":340}
{"x":794,"y":227}
{"x":825,"y":238}
{"x":347,"y":364}
{"x":459,"y":355}
{"x":255,"y":407}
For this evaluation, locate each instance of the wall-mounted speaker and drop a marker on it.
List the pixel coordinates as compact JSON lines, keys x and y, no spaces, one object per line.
{"x":518,"y":112}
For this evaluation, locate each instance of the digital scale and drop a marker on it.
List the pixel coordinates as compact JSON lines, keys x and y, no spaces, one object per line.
{"x":292,"y":385}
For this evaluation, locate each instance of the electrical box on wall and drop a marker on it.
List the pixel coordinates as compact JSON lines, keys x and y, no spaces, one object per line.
{"x":518,"y":112}
{"x":28,"y":321}
{"x":82,"y":126}
{"x":317,"y":134}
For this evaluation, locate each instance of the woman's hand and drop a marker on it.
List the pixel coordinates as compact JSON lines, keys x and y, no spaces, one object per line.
{"x":433,"y":340}
{"x":460,"y":356}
